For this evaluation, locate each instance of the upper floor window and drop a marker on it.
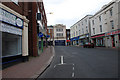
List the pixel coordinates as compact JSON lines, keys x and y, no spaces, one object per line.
{"x":93,"y":30}
{"x":59,"y":29}
{"x":59,"y":34}
{"x":93,"y":22}
{"x":111,"y":12}
{"x":82,"y":30}
{"x":49,"y":31}
{"x":99,"y":18}
{"x":79,"y":32}
{"x":100,"y":28}
{"x":112,"y":24}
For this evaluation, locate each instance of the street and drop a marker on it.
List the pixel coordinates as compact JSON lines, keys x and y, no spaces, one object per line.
{"x":76,"y":62}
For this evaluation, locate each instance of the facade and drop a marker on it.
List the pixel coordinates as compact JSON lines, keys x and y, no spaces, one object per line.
{"x":14,"y":29}
{"x":59,"y":35}
{"x":105,"y":26}
{"x":24,"y":30}
{"x":67,"y":37}
{"x":80,"y":31}
{"x":51,"y":35}
{"x":37,"y":28}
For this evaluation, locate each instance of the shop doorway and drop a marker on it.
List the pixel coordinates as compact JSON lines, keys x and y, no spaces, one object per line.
{"x":113,"y":41}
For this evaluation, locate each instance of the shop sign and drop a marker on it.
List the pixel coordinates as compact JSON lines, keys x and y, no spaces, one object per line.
{"x":10,"y":29}
{"x":102,"y":35}
{"x":113,"y":33}
{"x":40,"y":34}
{"x":82,"y":37}
{"x":10,"y":18}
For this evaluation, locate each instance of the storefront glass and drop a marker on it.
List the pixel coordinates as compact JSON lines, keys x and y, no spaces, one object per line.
{"x":11,"y":44}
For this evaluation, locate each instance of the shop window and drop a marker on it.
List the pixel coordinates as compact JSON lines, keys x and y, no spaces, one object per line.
{"x":11,"y":44}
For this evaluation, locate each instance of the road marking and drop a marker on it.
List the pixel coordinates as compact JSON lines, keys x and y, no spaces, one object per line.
{"x":73,"y":64}
{"x":54,"y":66}
{"x":62,"y":60}
{"x":73,"y":74}
{"x":73,"y":68}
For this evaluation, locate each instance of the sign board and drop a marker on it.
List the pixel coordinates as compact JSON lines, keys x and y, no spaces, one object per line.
{"x":10,"y":18}
{"x":10,"y":29}
{"x":113,"y":32}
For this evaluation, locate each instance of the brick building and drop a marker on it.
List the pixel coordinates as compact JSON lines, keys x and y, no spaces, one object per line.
{"x":24,"y":26}
{"x":51,"y":35}
{"x":14,"y":29}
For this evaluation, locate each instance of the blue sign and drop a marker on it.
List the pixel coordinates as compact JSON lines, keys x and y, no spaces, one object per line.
{"x":10,"y":18}
{"x":47,"y":36}
{"x":40,"y":34}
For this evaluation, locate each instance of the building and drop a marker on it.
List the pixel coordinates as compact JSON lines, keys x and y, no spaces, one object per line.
{"x":105,"y":26}
{"x":67,"y":37}
{"x":80,"y":31}
{"x":59,"y":35}
{"x":24,"y":30}
{"x":14,"y":29}
{"x":51,"y":35}
{"x":37,"y":28}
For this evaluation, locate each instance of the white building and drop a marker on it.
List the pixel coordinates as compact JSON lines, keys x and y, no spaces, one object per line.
{"x":80,"y":31}
{"x":105,"y":25}
{"x":59,"y":35}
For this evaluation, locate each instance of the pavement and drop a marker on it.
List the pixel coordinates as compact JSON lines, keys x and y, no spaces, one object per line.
{"x":31,"y":69}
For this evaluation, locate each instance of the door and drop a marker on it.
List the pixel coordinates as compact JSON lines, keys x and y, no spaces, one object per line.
{"x":113,"y":41}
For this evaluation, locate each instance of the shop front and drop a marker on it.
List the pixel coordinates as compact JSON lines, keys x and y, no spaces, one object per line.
{"x":113,"y":39}
{"x":99,"y":40}
{"x":14,"y":37}
{"x":11,"y":28}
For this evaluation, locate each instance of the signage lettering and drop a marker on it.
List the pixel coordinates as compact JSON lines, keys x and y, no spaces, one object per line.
{"x":10,"y":18}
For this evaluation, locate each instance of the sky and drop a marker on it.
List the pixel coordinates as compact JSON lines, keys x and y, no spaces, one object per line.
{"x":68,"y":12}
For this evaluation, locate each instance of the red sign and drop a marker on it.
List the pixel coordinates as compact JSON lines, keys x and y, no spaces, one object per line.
{"x":67,"y":40}
{"x":101,"y":35}
{"x":113,"y":33}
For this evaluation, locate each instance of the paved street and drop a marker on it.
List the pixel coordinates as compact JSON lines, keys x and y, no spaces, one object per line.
{"x":76,"y":62}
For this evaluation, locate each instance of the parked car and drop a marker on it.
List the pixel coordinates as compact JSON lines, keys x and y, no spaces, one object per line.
{"x":88,"y":45}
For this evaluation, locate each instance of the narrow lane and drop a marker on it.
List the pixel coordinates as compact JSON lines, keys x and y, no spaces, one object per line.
{"x":76,"y":62}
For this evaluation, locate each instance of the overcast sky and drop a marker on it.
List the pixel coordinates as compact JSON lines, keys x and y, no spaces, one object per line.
{"x":68,"y":12}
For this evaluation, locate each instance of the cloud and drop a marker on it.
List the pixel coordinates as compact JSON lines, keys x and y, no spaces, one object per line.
{"x":70,"y":11}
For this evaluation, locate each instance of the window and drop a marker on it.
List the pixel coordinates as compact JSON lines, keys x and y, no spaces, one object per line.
{"x":56,"y":29}
{"x":59,"y":30}
{"x":79,"y":32}
{"x":86,"y":30}
{"x":112,"y":24}
{"x":86,"y":20}
{"x":59,"y":34}
{"x":111,"y":13}
{"x":49,"y":31}
{"x":99,"y":18}
{"x":76,"y":33}
{"x":93,"y":30}
{"x":82,"y":30}
{"x":93,"y":22}
{"x":100,"y":28}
